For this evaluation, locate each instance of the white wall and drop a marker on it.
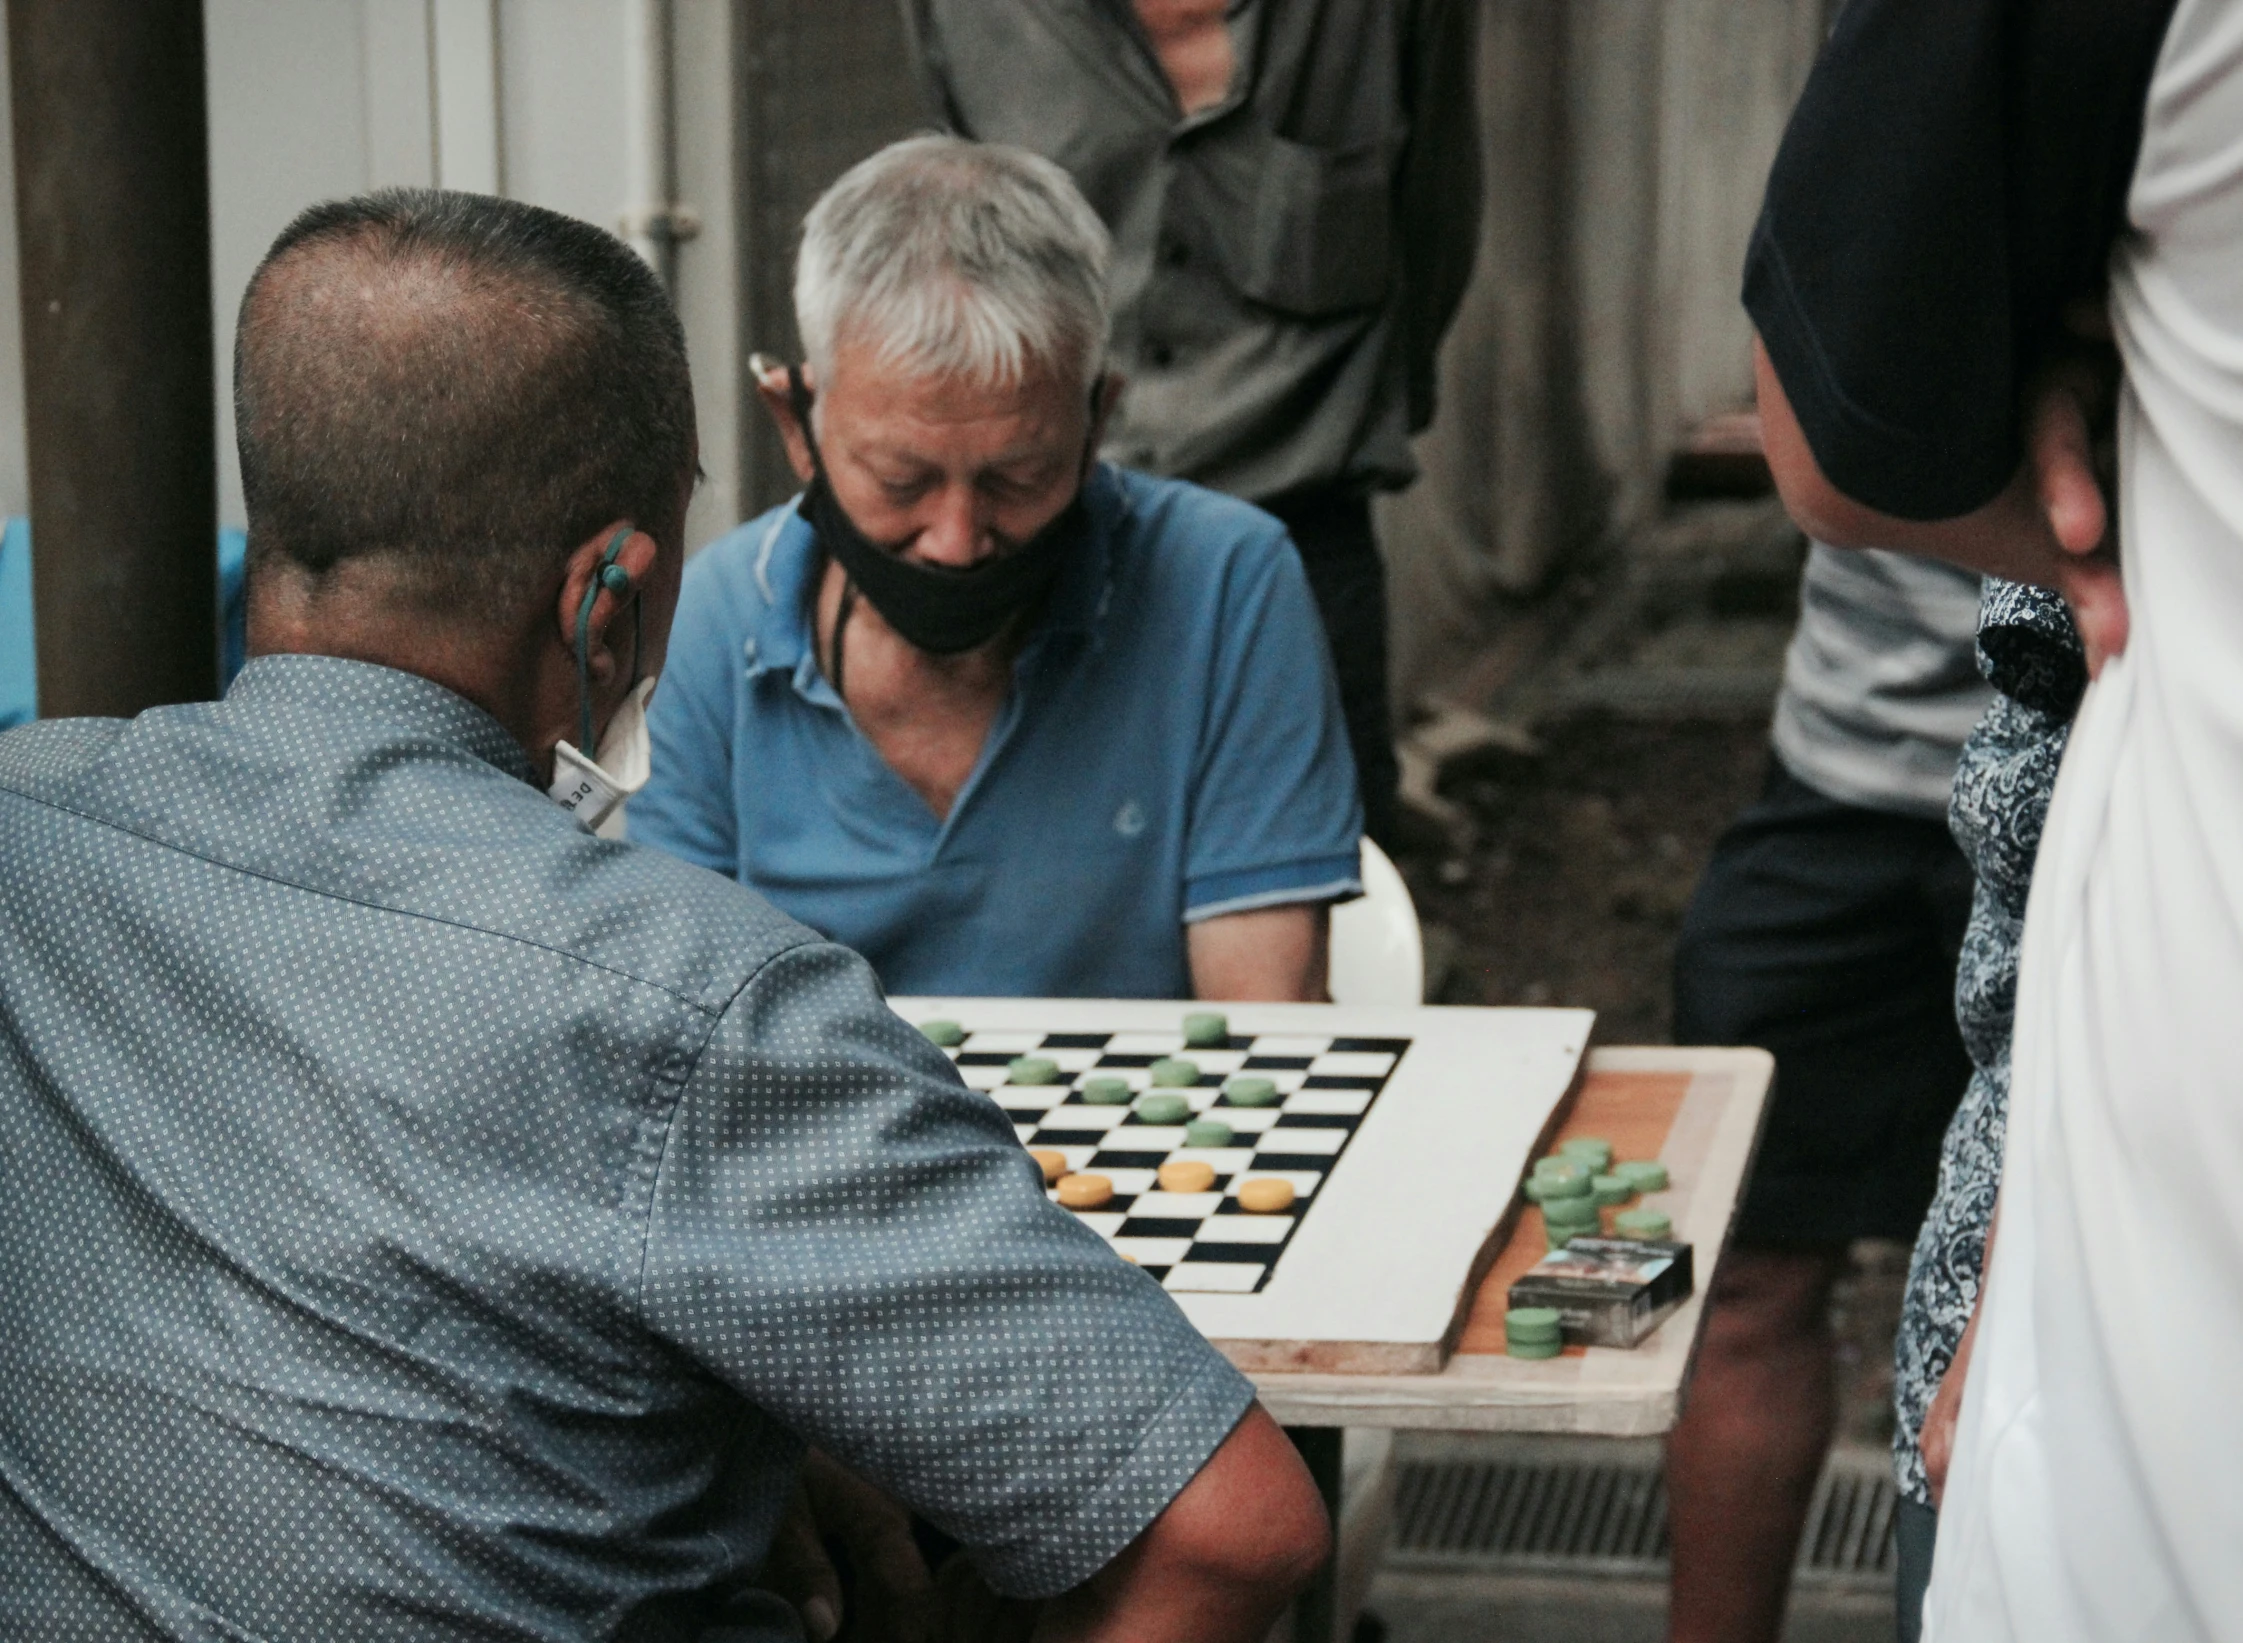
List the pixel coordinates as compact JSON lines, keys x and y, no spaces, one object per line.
{"x":314,"y":99}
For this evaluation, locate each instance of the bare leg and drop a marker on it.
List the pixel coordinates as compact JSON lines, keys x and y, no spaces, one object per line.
{"x":1742,"y":1461}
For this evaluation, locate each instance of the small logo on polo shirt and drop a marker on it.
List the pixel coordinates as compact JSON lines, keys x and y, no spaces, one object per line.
{"x":1129,"y":820}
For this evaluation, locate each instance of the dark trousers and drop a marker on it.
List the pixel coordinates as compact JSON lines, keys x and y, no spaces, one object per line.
{"x":1827,"y":933}
{"x":1331,"y":527}
{"x":1915,"y":1527}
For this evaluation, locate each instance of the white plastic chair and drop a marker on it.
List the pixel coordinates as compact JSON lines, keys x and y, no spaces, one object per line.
{"x":1378,"y":952}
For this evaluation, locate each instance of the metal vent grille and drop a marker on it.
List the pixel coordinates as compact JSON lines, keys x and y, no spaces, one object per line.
{"x":1558,"y":1517}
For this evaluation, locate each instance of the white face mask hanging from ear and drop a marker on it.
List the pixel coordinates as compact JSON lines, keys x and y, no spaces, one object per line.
{"x":594,"y":789}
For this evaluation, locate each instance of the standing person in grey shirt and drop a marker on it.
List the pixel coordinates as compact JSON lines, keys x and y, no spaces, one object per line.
{"x":1826,"y":930}
{"x":1293,"y":193}
{"x":425,"y":1219}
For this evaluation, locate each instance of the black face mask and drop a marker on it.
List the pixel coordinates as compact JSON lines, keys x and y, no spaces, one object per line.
{"x":936,"y":608}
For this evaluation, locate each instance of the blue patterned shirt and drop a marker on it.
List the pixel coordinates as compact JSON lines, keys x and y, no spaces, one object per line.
{"x":2030,"y":652}
{"x":422,"y":1219}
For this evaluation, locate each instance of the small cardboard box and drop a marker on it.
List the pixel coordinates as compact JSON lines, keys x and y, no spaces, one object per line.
{"x":1609,"y":1291}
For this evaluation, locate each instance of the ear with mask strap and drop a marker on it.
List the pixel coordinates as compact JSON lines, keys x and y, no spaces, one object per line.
{"x":607,"y":577}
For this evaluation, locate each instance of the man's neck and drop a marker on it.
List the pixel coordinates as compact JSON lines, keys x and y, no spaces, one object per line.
{"x":497,"y":669}
{"x":927,"y":717}
{"x":1192,"y":40}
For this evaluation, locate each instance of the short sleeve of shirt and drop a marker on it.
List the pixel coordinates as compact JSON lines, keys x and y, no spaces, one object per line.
{"x":686,"y":808}
{"x":1276,"y":817}
{"x":1952,"y":178}
{"x":856,"y":1243}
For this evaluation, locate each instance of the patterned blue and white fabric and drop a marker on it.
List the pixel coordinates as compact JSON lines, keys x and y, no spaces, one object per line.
{"x":2030,"y":652}
{"x":423,"y":1219}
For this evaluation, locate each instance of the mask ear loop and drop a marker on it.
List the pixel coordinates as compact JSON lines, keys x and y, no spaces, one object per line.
{"x":798,"y":396}
{"x":607,"y":577}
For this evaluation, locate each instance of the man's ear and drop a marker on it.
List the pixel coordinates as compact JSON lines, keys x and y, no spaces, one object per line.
{"x":1103,"y":405}
{"x":777,"y":394}
{"x":636,"y":558}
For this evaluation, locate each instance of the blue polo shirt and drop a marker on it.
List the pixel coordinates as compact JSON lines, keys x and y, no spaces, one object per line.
{"x":1172,"y":750}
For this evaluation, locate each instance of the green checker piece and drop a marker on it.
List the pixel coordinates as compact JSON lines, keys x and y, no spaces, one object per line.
{"x":1558,"y":1181}
{"x":1581,"y":1214}
{"x":1207,"y":1132}
{"x":1533,"y":1323}
{"x":1251,"y":1092}
{"x":1643,"y":1174}
{"x":1032,"y":1069}
{"x":1174,"y":1072}
{"x":1642,"y":1223}
{"x":1205,"y":1030}
{"x":1105,"y":1090}
{"x":1610,"y":1191}
{"x":948,"y":1034}
{"x":1163,"y":1109}
{"x":1589,"y":1151}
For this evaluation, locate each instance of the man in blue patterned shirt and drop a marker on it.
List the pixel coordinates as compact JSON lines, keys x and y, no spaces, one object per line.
{"x":426,"y":1219}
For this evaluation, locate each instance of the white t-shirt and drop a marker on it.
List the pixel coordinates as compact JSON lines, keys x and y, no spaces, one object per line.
{"x":2095,"y":1491}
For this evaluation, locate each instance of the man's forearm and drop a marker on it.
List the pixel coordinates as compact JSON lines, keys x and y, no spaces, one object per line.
{"x":1270,"y":955}
{"x":2008,"y":537}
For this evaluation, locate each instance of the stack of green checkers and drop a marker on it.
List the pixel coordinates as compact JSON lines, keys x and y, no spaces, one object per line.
{"x":1578,"y":1181}
{"x":1532,"y":1332}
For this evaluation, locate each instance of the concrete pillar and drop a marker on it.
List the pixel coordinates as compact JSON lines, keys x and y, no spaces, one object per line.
{"x":113,"y":219}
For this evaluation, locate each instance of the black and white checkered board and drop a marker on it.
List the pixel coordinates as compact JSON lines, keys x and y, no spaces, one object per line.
{"x":1192,"y":1242}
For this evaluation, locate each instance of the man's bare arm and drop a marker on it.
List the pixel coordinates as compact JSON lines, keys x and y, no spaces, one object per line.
{"x":2050,"y":526}
{"x":1272,"y":954}
{"x":1220,"y":1564}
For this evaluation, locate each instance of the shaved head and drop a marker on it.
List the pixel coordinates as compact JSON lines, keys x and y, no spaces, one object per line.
{"x":456,"y":390}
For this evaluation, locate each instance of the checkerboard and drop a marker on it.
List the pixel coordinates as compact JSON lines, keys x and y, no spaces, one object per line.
{"x":1197,"y":1241}
{"x":1403,"y":1130}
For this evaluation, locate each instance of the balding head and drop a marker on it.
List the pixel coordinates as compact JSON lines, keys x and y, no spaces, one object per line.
{"x":453,"y":390}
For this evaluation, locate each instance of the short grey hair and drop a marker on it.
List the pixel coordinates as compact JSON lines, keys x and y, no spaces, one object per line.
{"x":954,"y":258}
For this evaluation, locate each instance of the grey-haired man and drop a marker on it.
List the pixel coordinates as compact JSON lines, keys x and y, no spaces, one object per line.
{"x":1001,"y":717}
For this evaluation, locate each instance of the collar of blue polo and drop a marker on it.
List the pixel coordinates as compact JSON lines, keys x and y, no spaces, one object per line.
{"x":786,"y":558}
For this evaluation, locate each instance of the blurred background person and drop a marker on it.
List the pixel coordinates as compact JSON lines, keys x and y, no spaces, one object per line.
{"x":1293,"y":192}
{"x":1825,"y":930}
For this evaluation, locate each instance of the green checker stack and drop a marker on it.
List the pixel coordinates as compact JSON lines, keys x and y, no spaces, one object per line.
{"x":1566,"y":1219}
{"x":1642,"y":1223}
{"x":1591,"y":1153}
{"x":1610,"y":1191}
{"x":1532,"y":1332}
{"x":1643,"y":1174}
{"x":1556,"y":1178}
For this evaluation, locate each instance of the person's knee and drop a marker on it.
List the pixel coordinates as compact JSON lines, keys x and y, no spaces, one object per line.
{"x":1765,"y":1298}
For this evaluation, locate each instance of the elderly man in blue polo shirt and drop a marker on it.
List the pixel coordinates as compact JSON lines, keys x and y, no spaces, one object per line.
{"x":1002,"y":718}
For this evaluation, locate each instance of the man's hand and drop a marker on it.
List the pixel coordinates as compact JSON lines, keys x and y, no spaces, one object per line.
{"x":1936,"y":1442}
{"x":2051,"y":527}
{"x":2074,"y":473}
{"x":890,"y":1597}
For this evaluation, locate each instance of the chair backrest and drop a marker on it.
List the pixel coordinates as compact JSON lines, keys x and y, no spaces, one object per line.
{"x":1378,"y":952}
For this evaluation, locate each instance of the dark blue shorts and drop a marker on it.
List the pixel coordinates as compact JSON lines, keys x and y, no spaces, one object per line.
{"x":1827,"y":934}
